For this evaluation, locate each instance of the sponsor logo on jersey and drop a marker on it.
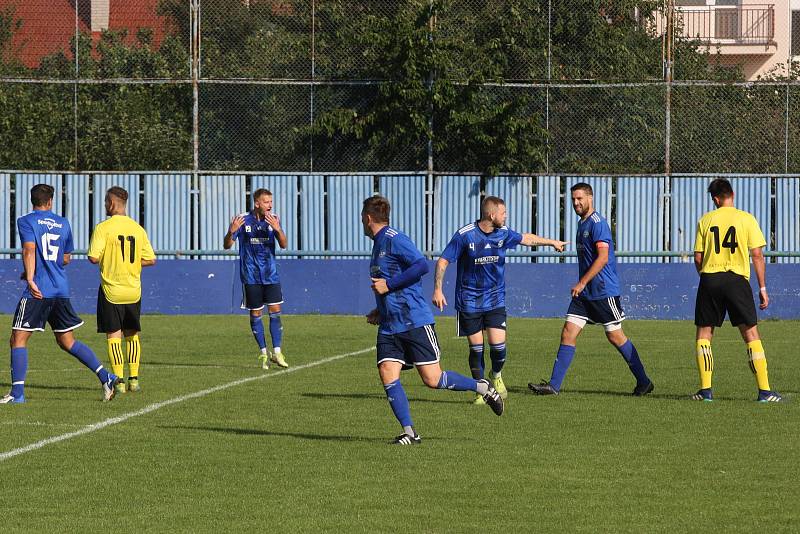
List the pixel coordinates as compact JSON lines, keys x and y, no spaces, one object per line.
{"x":486,"y":259}
{"x":259,"y":240}
{"x":50,"y":223}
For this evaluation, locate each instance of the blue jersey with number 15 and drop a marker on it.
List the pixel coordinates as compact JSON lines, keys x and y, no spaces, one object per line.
{"x":52,"y":236}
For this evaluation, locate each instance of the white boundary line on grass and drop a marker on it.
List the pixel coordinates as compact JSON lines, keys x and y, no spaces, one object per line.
{"x":158,"y":405}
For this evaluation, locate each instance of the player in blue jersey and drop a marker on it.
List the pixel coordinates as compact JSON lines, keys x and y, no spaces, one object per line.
{"x":257,"y":233}
{"x":480,"y":250}
{"x":406,"y":335}
{"x":595,"y":298}
{"x":46,"y":248}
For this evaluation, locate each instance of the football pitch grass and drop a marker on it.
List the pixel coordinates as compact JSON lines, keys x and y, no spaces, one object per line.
{"x":305,"y":450}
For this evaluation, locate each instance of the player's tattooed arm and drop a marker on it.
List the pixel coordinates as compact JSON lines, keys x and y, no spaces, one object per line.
{"x":439,"y":299}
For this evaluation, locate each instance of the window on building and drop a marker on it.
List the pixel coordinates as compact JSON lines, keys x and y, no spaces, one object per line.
{"x":796,"y":33}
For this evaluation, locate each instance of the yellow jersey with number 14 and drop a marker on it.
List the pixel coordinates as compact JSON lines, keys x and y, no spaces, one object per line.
{"x":725,"y":237}
{"x":120,"y":244}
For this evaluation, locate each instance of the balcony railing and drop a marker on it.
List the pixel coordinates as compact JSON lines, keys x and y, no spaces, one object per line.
{"x":737,"y":25}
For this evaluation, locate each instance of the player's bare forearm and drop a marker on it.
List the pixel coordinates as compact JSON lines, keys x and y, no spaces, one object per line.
{"x":759,"y":266}
{"x":281,"y":238}
{"x":438,"y":278}
{"x":533,"y":240}
{"x":148,"y":263}
{"x":228,"y":241}
{"x":67,"y":259}
{"x":596,"y":266}
{"x":29,"y":260}
{"x":698,"y":261}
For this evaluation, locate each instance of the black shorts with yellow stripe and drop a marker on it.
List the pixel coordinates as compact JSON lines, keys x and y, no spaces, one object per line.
{"x":114,"y":317}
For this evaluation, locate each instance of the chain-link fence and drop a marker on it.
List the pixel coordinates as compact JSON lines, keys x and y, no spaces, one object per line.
{"x":619,"y":87}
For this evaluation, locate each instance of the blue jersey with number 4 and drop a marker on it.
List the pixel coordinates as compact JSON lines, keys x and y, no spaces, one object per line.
{"x":404,"y":309}
{"x":256,"y":251}
{"x":591,"y":231}
{"x":480,"y":273}
{"x":52,"y":236}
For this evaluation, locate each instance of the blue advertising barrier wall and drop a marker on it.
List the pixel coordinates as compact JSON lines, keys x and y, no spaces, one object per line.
{"x":649,"y":291}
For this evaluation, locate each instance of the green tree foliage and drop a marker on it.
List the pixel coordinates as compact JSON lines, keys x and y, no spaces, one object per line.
{"x":452,"y":75}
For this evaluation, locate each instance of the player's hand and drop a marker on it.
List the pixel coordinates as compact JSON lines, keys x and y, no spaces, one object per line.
{"x":34,"y":289}
{"x":379,"y":286}
{"x":763,"y":297}
{"x":236,"y":223}
{"x":559,"y":245}
{"x":374,"y":317}
{"x":577,"y":289}
{"x":273,"y":220}
{"x":438,"y":299}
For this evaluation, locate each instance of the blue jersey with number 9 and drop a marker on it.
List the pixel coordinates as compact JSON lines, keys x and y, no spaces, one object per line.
{"x":52,"y":236}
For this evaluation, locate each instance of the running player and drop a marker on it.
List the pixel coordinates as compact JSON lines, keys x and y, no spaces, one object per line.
{"x":406,"y":335}
{"x":46,"y":248}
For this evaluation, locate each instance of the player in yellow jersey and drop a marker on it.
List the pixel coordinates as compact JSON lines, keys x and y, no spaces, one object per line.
{"x":726,"y":240}
{"x":122,"y":248}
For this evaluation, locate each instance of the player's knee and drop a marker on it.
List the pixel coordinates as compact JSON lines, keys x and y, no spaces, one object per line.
{"x":255,"y":313}
{"x":64,"y":344}
{"x":432,"y":380}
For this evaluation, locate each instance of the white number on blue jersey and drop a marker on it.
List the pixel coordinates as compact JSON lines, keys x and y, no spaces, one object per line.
{"x":49,"y":249}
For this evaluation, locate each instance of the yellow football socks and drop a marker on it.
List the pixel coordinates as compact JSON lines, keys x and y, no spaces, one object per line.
{"x":705,"y":362}
{"x":758,"y":363}
{"x":134,"y":353}
{"x":115,"y":356}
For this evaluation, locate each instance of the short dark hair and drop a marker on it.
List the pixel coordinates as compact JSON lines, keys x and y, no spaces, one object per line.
{"x":378,"y":208}
{"x":582,"y":186}
{"x":41,"y":194}
{"x":489,"y":204}
{"x":720,"y":188}
{"x":258,"y":193}
{"x":119,"y":192}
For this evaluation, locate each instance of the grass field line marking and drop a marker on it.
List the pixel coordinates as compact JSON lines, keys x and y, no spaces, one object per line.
{"x":88,"y":429}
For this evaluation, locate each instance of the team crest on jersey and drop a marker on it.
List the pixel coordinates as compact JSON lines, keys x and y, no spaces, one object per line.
{"x":248,"y":229}
{"x":586,"y":233}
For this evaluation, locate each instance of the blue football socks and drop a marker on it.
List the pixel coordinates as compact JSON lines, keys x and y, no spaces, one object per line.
{"x":631,"y":357}
{"x":85,"y":355}
{"x":19,"y":368}
{"x":561,"y":365}
{"x":396,"y":396}
{"x":258,"y":331}
{"x":456,"y":382}
{"x":476,"y":363}
{"x":497,"y":353}
{"x":275,"y":329}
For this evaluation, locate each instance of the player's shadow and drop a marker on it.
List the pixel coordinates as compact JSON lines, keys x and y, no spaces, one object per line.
{"x":599,"y":392}
{"x":376,"y":396}
{"x":210,"y":365}
{"x":54,"y":388}
{"x":257,"y":432}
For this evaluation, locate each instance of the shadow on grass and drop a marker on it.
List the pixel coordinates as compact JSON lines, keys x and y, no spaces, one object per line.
{"x":257,"y":432}
{"x":362,"y":396}
{"x":28,"y":386}
{"x":210,"y":365}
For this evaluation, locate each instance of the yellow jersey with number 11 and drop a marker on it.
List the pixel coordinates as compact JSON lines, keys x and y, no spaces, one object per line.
{"x":120,"y":245}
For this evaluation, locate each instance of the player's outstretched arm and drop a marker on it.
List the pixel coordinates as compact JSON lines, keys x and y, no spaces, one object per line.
{"x":533,"y":240}
{"x":438,"y":281}
{"x":236,"y":223}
